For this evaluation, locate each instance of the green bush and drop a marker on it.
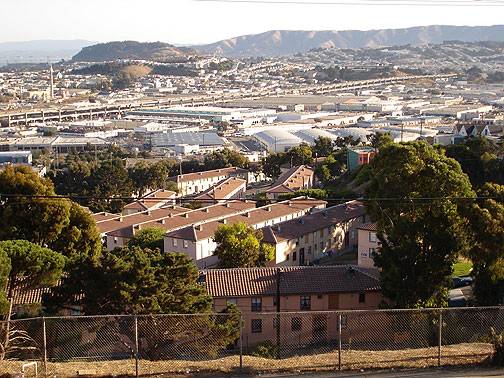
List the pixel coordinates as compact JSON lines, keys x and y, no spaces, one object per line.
{"x":266,"y":349}
{"x":498,"y":344}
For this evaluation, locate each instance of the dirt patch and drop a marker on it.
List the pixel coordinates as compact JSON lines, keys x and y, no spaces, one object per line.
{"x":460,"y":354}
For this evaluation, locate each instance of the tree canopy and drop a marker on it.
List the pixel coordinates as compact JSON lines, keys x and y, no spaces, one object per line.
{"x":132,"y":281}
{"x":420,"y":239}
{"x":240,"y":246}
{"x":37,"y":219}
{"x":151,"y":238}
{"x":30,"y":264}
{"x":487,"y":245}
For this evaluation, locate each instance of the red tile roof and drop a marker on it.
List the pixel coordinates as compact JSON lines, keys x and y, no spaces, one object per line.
{"x":292,"y":180}
{"x":208,"y":174}
{"x":369,"y":227}
{"x":222,"y":190}
{"x":247,"y":282}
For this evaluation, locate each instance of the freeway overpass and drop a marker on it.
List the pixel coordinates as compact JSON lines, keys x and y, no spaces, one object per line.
{"x":108,"y":111}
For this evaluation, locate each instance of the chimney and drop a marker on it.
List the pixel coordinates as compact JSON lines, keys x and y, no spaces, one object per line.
{"x":198,"y":227}
{"x":227,"y":204}
{"x":162,"y":221}
{"x":120,"y":219}
{"x":206,"y":210}
{"x":186,"y":215}
{"x":223,"y":221}
{"x":247,"y":214}
{"x":268,"y":209}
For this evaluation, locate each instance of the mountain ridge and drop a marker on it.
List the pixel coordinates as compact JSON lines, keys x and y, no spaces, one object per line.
{"x":288,"y":42}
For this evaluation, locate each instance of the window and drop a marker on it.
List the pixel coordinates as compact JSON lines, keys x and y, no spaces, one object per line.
{"x":174,"y":242}
{"x":296,"y":324}
{"x":115,"y":240}
{"x":321,"y":246}
{"x":256,"y":304}
{"x":256,"y":325}
{"x":362,"y":297}
{"x":321,"y":233}
{"x":371,"y":251}
{"x":372,"y":237}
{"x":306,"y":238}
{"x":186,"y":243}
{"x":305,"y":303}
{"x":231,"y":301}
{"x":294,"y":256}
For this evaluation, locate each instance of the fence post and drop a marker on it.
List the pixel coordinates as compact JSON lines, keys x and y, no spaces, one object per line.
{"x":440,"y":335}
{"x":339,"y":341}
{"x":136,"y":345}
{"x":44,"y":346}
{"x":241,"y":342}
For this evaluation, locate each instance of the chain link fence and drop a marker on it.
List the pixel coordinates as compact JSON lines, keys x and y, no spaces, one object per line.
{"x":256,"y":342}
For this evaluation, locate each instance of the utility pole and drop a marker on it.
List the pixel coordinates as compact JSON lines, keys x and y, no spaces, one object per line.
{"x":278,"y":278}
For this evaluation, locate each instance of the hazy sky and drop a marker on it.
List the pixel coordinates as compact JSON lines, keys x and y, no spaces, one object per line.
{"x":191,"y":22}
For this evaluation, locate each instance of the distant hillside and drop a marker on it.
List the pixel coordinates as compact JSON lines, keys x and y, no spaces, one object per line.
{"x":158,"y":51}
{"x":40,"y":51}
{"x":284,"y":42}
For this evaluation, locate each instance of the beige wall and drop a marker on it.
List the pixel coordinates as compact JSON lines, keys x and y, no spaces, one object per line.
{"x":367,"y":243}
{"x":314,"y":244}
{"x":200,"y":185}
{"x":315,"y":326}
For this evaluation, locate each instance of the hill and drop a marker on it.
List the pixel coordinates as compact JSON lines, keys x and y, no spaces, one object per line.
{"x":158,"y":51}
{"x":285,"y":42}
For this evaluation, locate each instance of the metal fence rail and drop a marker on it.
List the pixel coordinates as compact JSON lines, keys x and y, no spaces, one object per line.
{"x":267,"y":342}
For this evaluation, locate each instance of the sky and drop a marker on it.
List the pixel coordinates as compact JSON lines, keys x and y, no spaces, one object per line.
{"x":193,"y":22}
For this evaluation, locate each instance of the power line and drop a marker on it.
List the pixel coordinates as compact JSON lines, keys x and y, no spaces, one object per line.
{"x":188,"y":199}
{"x":423,"y":3}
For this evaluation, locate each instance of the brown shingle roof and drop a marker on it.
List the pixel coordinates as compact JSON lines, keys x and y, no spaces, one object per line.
{"x":207,"y":174}
{"x":139,"y":218}
{"x":251,"y":218}
{"x":187,"y":218}
{"x":296,"y":228}
{"x":368,"y":227}
{"x":292,"y":180}
{"x":246,"y":282}
{"x":222,"y":190}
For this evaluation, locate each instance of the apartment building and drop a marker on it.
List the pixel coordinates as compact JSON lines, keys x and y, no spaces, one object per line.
{"x":368,"y":244}
{"x":230,"y":188}
{"x":194,"y":183}
{"x":153,"y":200}
{"x":321,"y":233}
{"x":196,"y":240}
{"x":358,"y":156}
{"x":296,"y":178}
{"x":118,"y":234}
{"x":256,"y":292}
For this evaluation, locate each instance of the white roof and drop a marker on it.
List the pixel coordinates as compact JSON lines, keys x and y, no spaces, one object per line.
{"x":311,"y":135}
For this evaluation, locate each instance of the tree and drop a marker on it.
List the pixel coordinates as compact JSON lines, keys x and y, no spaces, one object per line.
{"x":300,"y":155}
{"x":150,"y":238}
{"x":311,"y":193}
{"x":132,"y":281}
{"x":420,"y":238}
{"x":80,"y":236}
{"x":145,"y":176}
{"x":240,"y":246}
{"x":323,"y":146}
{"x":5,"y":268}
{"x":272,"y":163}
{"x":225,"y":158}
{"x":37,"y":219}
{"x":31,"y":265}
{"x":487,"y":245}
{"x":378,"y":140}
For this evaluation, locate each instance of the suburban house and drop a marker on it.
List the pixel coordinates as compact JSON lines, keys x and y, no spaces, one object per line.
{"x":194,"y":183}
{"x":196,"y":239}
{"x":230,"y":188}
{"x":153,"y":200}
{"x":467,"y":130}
{"x":296,"y":178}
{"x":357,"y":156}
{"x":368,"y":244}
{"x":318,"y":234}
{"x":257,"y":291}
{"x":118,"y":235}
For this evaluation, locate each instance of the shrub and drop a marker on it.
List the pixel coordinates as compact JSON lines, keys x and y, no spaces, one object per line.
{"x":498,"y":344}
{"x":266,"y":349}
